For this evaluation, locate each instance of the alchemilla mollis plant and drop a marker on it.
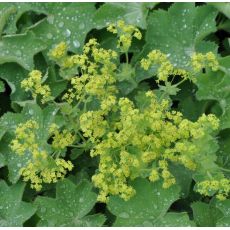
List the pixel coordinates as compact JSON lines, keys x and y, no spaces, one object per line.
{"x":114,"y":114}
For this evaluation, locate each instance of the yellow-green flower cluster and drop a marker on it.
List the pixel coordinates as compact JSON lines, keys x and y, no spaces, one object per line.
{"x":59,"y":51}
{"x":130,"y":141}
{"x":140,"y":138}
{"x":61,"y":139}
{"x":41,"y":168}
{"x":221,"y":187}
{"x":125,"y":34}
{"x":93,"y":124}
{"x":26,"y":139}
{"x":96,"y":73}
{"x":200,"y":61}
{"x":165,"y":67}
{"x":40,"y":172}
{"x":34,"y":84}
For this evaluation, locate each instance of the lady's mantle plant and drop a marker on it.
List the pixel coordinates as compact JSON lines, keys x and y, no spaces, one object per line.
{"x":110,"y":122}
{"x":133,"y":138}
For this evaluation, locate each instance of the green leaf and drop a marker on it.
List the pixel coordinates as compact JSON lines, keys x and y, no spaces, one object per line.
{"x":224,"y":207}
{"x":179,"y":32}
{"x":134,"y":13}
{"x":21,"y":49}
{"x":191,"y":108}
{"x":6,"y":9}
{"x":183,"y":178}
{"x":13,"y":74}
{"x":224,"y":150}
{"x":70,"y":207}
{"x":215,"y":86}
{"x":18,"y":9}
{"x":208,"y":146}
{"x":57,"y":85}
{"x":69,"y":22}
{"x":13,"y":211}
{"x":148,"y":207}
{"x":2,"y":86}
{"x":205,"y":215}
{"x":2,"y":161}
{"x":9,"y":123}
{"x":173,"y":219}
{"x":223,"y":7}
{"x":169,"y":88}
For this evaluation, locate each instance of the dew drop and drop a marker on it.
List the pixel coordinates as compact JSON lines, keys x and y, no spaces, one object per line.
{"x":81,"y":26}
{"x":49,"y":36}
{"x":50,"y":19}
{"x":76,"y":44}
{"x":124,"y":215}
{"x":67,"y":33}
{"x":147,"y":223}
{"x":71,"y":214}
{"x":61,"y":24}
{"x":43,"y":209}
{"x":31,"y":112}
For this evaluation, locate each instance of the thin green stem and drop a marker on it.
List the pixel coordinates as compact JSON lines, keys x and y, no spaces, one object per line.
{"x":81,"y":136}
{"x":223,"y":169}
{"x":179,"y":83}
{"x":127,"y":57}
{"x":78,"y":146}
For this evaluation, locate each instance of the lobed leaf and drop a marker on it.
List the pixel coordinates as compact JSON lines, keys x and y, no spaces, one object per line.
{"x":70,"y":207}
{"x":13,"y":211}
{"x":148,"y":207}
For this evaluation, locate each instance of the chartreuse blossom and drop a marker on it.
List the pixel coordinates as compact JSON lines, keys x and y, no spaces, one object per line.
{"x":59,"y":51}
{"x":96,"y":73}
{"x":200,"y":61}
{"x":125,"y":34}
{"x":61,"y":139}
{"x":130,"y":140}
{"x":34,"y":84}
{"x":221,"y":187}
{"x":143,"y":142}
{"x":166,"y":69}
{"x":42,"y":167}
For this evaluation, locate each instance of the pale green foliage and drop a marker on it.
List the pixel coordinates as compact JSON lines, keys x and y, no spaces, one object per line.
{"x":13,"y":211}
{"x":131,"y":106}
{"x":70,"y":207}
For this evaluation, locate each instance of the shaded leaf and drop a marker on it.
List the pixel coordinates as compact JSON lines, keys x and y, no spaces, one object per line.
{"x":223,"y":7}
{"x":16,"y":11}
{"x":13,"y":74}
{"x":2,"y":86}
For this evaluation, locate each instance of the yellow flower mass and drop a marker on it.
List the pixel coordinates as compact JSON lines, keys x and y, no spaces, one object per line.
{"x":131,"y":141}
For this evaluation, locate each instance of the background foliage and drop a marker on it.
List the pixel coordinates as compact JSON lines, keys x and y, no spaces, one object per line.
{"x":29,"y":30}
